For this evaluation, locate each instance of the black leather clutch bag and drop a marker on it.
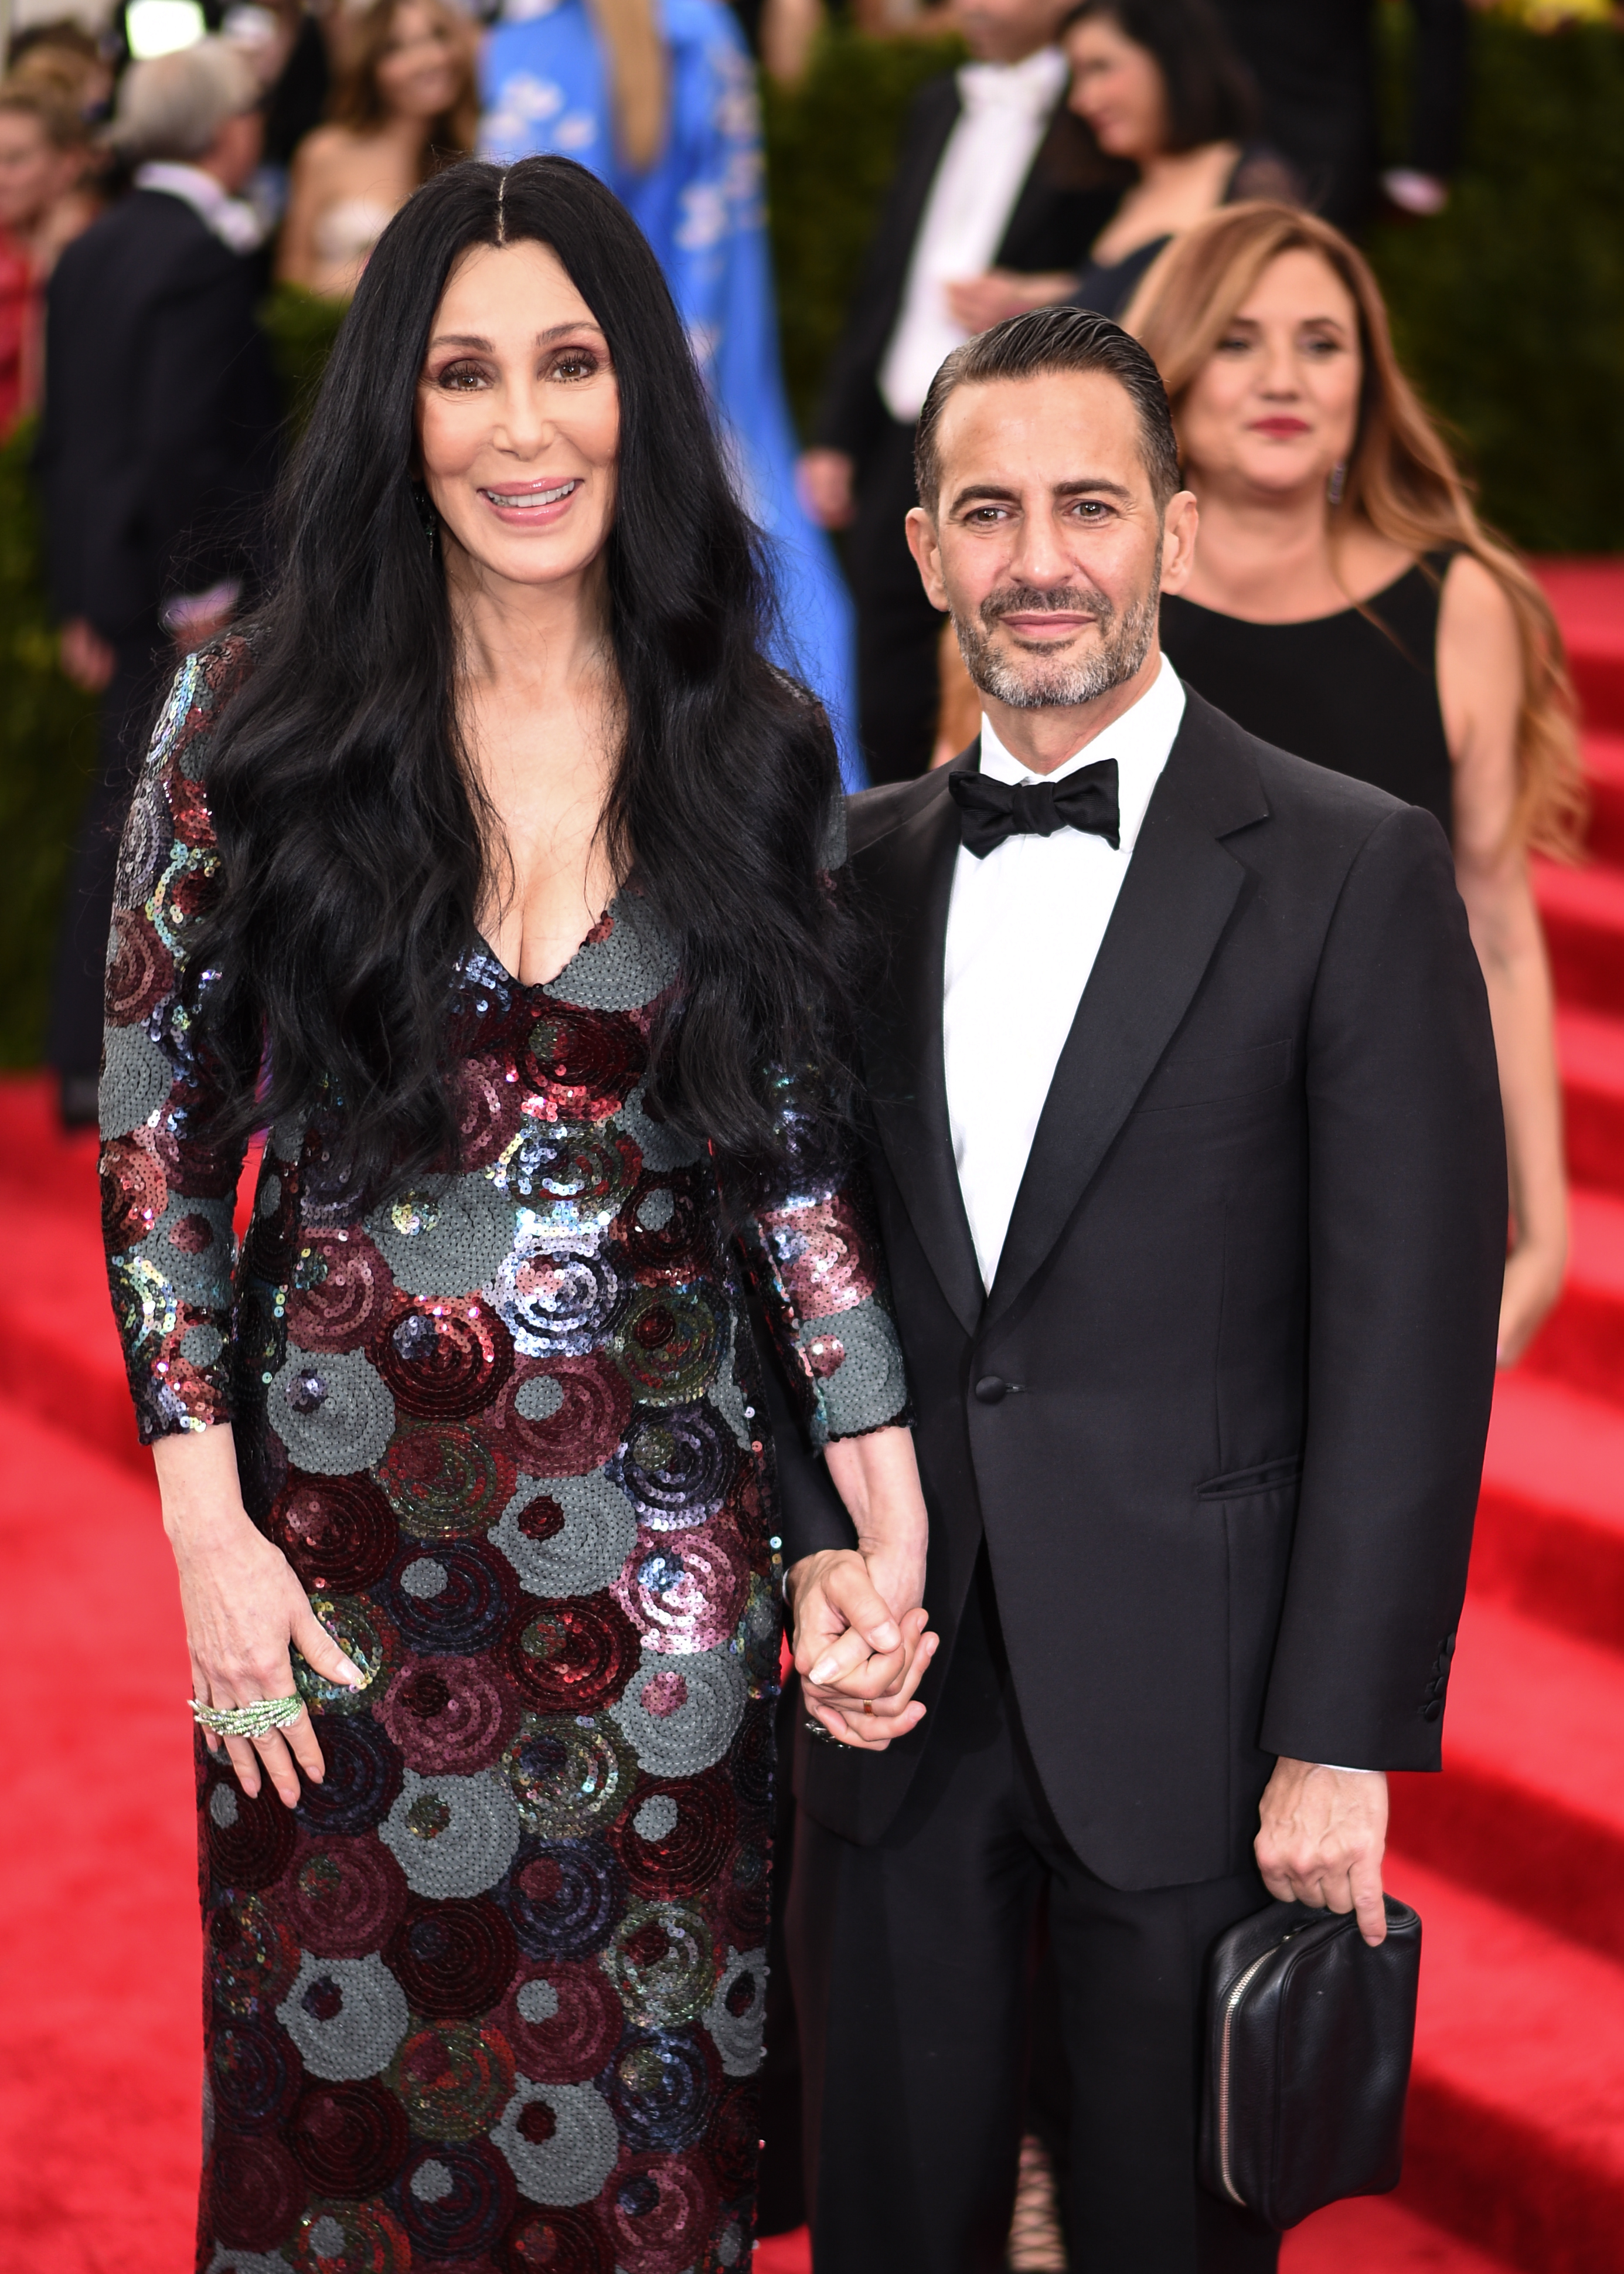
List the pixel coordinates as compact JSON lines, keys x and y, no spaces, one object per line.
{"x":1310,"y":2038}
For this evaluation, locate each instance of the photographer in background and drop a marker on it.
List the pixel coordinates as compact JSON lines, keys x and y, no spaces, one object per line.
{"x":156,"y":454}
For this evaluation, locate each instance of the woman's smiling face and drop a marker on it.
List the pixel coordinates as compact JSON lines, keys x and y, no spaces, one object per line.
{"x":519,"y":417}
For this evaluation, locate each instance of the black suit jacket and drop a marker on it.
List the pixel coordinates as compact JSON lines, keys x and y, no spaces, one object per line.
{"x":1053,"y":224}
{"x":1315,"y":62}
{"x":157,"y":447}
{"x":1220,"y":1421}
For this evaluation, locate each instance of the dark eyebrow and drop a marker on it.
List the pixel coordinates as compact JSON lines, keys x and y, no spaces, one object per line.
{"x":483,"y":346}
{"x":997,"y":494}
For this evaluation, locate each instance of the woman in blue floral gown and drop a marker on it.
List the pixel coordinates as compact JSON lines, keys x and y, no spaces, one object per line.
{"x":658,"y":98}
{"x":464,"y":1451}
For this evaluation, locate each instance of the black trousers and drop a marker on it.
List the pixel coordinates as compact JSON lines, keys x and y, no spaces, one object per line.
{"x":74,"y":1037}
{"x":912,"y":1965}
{"x":899,"y":690}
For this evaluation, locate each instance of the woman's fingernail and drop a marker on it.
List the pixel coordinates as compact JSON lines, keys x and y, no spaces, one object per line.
{"x":825,"y":1670}
{"x":352,"y":1675}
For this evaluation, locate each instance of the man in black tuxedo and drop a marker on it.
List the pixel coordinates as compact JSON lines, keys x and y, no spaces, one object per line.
{"x":1189,"y":1162}
{"x":1315,"y":62}
{"x":156,"y":453}
{"x":991,"y":173}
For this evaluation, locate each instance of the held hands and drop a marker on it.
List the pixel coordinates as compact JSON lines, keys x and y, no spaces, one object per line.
{"x":1323,"y":1833}
{"x":861,"y":1643}
{"x":243,"y":1607}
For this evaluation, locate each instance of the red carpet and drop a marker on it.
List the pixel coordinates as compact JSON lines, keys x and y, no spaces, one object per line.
{"x":1515,"y":1857}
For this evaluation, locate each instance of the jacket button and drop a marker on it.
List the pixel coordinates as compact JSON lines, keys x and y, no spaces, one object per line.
{"x":990,"y":1389}
{"x":1433,"y":1710}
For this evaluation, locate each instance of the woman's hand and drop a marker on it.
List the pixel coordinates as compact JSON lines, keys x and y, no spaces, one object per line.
{"x":978,"y":302}
{"x":243,"y":1607}
{"x":1534,"y":1270}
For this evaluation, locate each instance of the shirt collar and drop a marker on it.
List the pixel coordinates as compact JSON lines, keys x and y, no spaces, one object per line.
{"x":1139,"y":740}
{"x":232,"y":219}
{"x":1032,"y":86}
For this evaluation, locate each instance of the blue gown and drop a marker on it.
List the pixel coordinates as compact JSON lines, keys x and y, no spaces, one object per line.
{"x":545,"y":87}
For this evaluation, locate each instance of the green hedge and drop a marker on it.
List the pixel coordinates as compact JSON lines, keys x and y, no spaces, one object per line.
{"x":47,"y":742}
{"x":1509,"y":310}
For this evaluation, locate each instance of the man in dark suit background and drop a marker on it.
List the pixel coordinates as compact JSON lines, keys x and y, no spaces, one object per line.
{"x":1189,"y":1168}
{"x":992,"y":172}
{"x":1316,"y":63}
{"x":156,"y":453}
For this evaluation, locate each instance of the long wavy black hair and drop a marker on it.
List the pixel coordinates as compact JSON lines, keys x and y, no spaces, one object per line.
{"x":357,"y":848}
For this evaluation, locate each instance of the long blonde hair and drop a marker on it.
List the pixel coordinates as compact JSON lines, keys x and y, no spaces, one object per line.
{"x":638,"y":74}
{"x":1401,"y":476}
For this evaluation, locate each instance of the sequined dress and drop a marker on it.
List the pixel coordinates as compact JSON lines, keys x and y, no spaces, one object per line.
{"x":491,"y":1996}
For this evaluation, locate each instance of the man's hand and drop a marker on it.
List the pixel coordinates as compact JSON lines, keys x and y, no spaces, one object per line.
{"x":824,"y":480}
{"x":1323,"y":1833}
{"x":858,"y":1665}
{"x":85,"y":656}
{"x":978,"y":302}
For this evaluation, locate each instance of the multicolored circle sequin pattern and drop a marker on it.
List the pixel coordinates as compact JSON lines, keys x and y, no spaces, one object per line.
{"x":491,"y":1996}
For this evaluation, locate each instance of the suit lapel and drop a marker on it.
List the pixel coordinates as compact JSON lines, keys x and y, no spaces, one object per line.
{"x":909,"y":871}
{"x":1176,"y":900}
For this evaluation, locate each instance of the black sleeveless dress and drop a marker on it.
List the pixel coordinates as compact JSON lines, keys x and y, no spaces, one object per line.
{"x":1356,"y":692}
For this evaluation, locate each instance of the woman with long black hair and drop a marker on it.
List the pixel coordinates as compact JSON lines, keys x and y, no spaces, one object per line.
{"x":490,"y":873}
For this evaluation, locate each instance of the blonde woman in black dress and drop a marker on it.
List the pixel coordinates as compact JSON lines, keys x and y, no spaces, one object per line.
{"x":1347,"y":605}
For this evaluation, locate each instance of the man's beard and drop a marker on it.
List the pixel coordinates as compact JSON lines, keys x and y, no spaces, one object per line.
{"x":1032,"y":680}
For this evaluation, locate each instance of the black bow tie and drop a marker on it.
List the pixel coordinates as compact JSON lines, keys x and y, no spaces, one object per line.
{"x":989,"y":810}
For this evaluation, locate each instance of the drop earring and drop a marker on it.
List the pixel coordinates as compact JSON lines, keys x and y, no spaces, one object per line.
{"x":1336,"y":483}
{"x":427,"y":518}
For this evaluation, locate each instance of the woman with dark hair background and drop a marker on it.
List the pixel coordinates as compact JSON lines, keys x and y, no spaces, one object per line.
{"x":489,"y":871}
{"x":1171,"y":111}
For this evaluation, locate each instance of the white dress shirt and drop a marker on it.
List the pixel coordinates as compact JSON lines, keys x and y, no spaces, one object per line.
{"x":1005,"y":109}
{"x":1024,"y":927}
{"x":232,"y":219}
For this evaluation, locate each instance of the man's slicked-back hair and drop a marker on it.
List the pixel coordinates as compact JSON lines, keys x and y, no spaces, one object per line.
{"x":1030,"y":347}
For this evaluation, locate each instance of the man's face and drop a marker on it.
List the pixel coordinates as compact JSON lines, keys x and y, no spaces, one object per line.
{"x":1046,"y":545}
{"x":1006,"y":31}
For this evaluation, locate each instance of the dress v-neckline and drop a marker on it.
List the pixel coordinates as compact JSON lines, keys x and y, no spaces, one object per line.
{"x":537,"y":986}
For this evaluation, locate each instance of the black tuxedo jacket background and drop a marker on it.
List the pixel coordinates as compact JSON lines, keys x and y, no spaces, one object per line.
{"x":1316,"y":64}
{"x":1054,"y":222}
{"x":1221,"y":1419}
{"x":157,"y":449}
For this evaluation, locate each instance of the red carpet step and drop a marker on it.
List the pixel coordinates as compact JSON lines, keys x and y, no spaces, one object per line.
{"x":1516,"y":2107}
{"x":1590,"y":1049}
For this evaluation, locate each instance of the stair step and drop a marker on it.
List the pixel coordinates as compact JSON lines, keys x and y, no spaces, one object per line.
{"x":1550,"y":1535}
{"x":1530,"y":1809}
{"x":1582,"y":1343}
{"x":1590,"y":1048}
{"x":1368,"y":2235}
{"x":1584,"y":914}
{"x":1515,"y":2131}
{"x":1604,"y":767}
{"x":1588,"y":598}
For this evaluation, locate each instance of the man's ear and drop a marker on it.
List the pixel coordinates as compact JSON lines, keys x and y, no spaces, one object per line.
{"x":925,"y":547}
{"x":1179,"y":524}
